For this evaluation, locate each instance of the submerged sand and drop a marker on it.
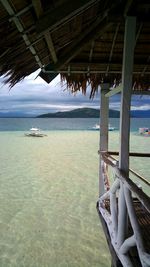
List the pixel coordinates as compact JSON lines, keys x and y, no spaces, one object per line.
{"x":48,"y":194}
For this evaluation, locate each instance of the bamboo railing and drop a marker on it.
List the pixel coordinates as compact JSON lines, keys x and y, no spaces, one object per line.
{"x":110,"y":207}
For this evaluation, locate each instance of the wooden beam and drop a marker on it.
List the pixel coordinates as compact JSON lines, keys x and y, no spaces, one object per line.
{"x":114,"y":91}
{"x":144,"y":70}
{"x":5,"y":52}
{"x":104,"y":117}
{"x":39,"y":12}
{"x":21,"y":12}
{"x":61,"y":14}
{"x":38,"y":8}
{"x":50,"y":46}
{"x":98,"y":27}
{"x":131,"y":154}
{"x":91,"y":51}
{"x":95,"y":66}
{"x":138,"y":33}
{"x":91,"y":34}
{"x":20,"y":29}
{"x":127,"y":6}
{"x":112,"y":47}
{"x":128,"y":58}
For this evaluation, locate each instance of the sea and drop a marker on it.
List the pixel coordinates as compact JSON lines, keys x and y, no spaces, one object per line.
{"x":49,"y":189}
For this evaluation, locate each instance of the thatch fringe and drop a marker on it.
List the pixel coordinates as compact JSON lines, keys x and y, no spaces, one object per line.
{"x":80,"y":82}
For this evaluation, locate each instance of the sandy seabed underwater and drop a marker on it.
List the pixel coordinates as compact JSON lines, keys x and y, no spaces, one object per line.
{"x":48,"y":194}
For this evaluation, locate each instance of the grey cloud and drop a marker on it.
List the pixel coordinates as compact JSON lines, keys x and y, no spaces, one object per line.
{"x":36,"y":97}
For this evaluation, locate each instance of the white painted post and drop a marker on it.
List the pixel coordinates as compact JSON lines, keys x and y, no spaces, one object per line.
{"x":104,"y":115}
{"x":128,"y":56}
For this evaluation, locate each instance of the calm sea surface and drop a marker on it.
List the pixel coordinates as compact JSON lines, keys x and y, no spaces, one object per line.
{"x":50,"y":124}
{"x":49,"y":189}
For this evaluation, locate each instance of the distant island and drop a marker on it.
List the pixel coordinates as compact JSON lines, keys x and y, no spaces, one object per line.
{"x":80,"y":113}
{"x":93,"y":113}
{"x":76,"y":113}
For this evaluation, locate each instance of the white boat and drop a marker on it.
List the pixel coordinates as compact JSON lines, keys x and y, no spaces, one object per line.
{"x":35,"y":132}
{"x":97,"y":127}
{"x":144,"y":131}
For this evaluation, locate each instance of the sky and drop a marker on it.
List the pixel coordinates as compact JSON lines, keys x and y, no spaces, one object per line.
{"x":33,"y":96}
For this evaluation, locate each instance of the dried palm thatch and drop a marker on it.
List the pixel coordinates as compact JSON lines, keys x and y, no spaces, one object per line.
{"x":80,"y":82}
{"x":85,"y":36}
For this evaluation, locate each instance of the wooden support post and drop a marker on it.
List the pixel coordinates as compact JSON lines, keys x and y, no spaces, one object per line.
{"x":128,"y":56}
{"x":104,"y":114}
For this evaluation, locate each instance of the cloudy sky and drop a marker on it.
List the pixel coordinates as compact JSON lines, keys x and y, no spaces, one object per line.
{"x":33,"y":97}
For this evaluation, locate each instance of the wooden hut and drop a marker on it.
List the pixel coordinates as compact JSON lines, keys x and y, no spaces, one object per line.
{"x":101,"y":43}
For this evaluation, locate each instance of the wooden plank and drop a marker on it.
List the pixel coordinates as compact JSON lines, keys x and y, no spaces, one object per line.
{"x":140,"y":177}
{"x":108,"y":156}
{"x":114,"y":91}
{"x":61,"y":14}
{"x":134,"y":154}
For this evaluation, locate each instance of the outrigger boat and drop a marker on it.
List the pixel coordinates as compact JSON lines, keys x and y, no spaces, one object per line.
{"x":104,"y":44}
{"x":35,"y":132}
{"x":97,"y":127}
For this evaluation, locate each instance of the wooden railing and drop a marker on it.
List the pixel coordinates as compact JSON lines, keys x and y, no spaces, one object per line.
{"x":123,"y":192}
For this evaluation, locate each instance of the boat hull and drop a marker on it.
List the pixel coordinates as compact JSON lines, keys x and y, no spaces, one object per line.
{"x":35,"y":135}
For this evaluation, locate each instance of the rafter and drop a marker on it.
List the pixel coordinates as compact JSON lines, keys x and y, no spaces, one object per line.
{"x":91,"y":34}
{"x":98,"y":27}
{"x":50,"y":45}
{"x":127,"y":7}
{"x":20,"y":28}
{"x":61,"y":14}
{"x":37,"y":7}
{"x":91,"y":51}
{"x":138,"y":33}
{"x":112,"y":48}
{"x":39,"y":12}
{"x":146,"y":66}
{"x":5,"y":52}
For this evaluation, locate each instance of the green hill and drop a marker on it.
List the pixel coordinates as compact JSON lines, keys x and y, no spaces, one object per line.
{"x":80,"y":113}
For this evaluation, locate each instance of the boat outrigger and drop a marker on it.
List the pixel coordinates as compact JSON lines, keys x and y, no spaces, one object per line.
{"x":35,"y":132}
{"x":97,"y":127}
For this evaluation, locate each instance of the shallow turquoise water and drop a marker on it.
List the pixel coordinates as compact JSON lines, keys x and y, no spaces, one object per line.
{"x":47,"y":201}
{"x":48,"y":194}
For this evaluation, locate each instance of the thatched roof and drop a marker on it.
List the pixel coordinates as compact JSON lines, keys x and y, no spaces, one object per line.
{"x":82,"y":40}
